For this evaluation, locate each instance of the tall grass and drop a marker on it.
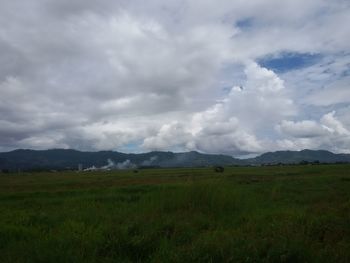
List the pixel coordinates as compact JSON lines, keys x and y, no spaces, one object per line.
{"x":244,"y":215}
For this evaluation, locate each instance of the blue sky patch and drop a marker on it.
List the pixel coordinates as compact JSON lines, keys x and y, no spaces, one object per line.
{"x":132,"y":147}
{"x":289,"y":61}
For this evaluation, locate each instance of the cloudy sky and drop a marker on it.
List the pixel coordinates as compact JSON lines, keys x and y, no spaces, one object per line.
{"x":227,"y":76}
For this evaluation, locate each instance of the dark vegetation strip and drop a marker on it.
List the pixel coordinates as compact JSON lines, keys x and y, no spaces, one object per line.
{"x":246,"y":214}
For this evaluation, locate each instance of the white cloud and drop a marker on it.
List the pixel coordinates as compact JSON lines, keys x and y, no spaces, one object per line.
{"x":159,"y":75}
{"x":335,"y":93}
{"x":170,"y":136}
{"x":302,"y":129}
{"x":333,"y":125}
{"x":329,"y":133}
{"x":230,"y":125}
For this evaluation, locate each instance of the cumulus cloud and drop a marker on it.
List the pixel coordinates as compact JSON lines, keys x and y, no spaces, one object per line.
{"x":302,"y":129}
{"x":333,"y":125}
{"x":230,"y":126}
{"x":174,"y":75}
{"x":328,"y":133}
{"x":170,"y":136}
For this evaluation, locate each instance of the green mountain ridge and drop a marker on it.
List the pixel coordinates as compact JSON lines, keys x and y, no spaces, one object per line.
{"x":58,"y":159}
{"x":291,"y":157}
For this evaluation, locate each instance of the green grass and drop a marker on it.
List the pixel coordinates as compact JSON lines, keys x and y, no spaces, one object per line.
{"x":246,"y":214}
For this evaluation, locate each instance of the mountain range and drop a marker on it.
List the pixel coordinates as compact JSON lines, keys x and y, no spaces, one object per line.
{"x":60,"y":159}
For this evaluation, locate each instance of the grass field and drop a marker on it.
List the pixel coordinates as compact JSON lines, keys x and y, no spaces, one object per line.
{"x":246,"y":214}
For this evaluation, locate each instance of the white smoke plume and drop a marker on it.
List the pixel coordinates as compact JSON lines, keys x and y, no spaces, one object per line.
{"x":111,"y":165}
{"x":127,"y":164}
{"x":90,"y":169}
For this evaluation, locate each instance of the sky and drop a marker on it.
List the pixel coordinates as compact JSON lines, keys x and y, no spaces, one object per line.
{"x":229,"y":77}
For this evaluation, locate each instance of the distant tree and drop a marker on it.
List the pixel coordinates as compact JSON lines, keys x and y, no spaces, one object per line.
{"x":219,"y":169}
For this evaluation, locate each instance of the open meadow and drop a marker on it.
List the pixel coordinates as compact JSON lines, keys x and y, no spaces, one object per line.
{"x":245,"y":214}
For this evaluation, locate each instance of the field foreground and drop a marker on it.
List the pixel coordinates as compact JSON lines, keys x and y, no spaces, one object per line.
{"x":246,"y":214}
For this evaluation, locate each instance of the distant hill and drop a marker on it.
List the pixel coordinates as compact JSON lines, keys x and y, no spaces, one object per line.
{"x":291,"y":157}
{"x":59,"y":159}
